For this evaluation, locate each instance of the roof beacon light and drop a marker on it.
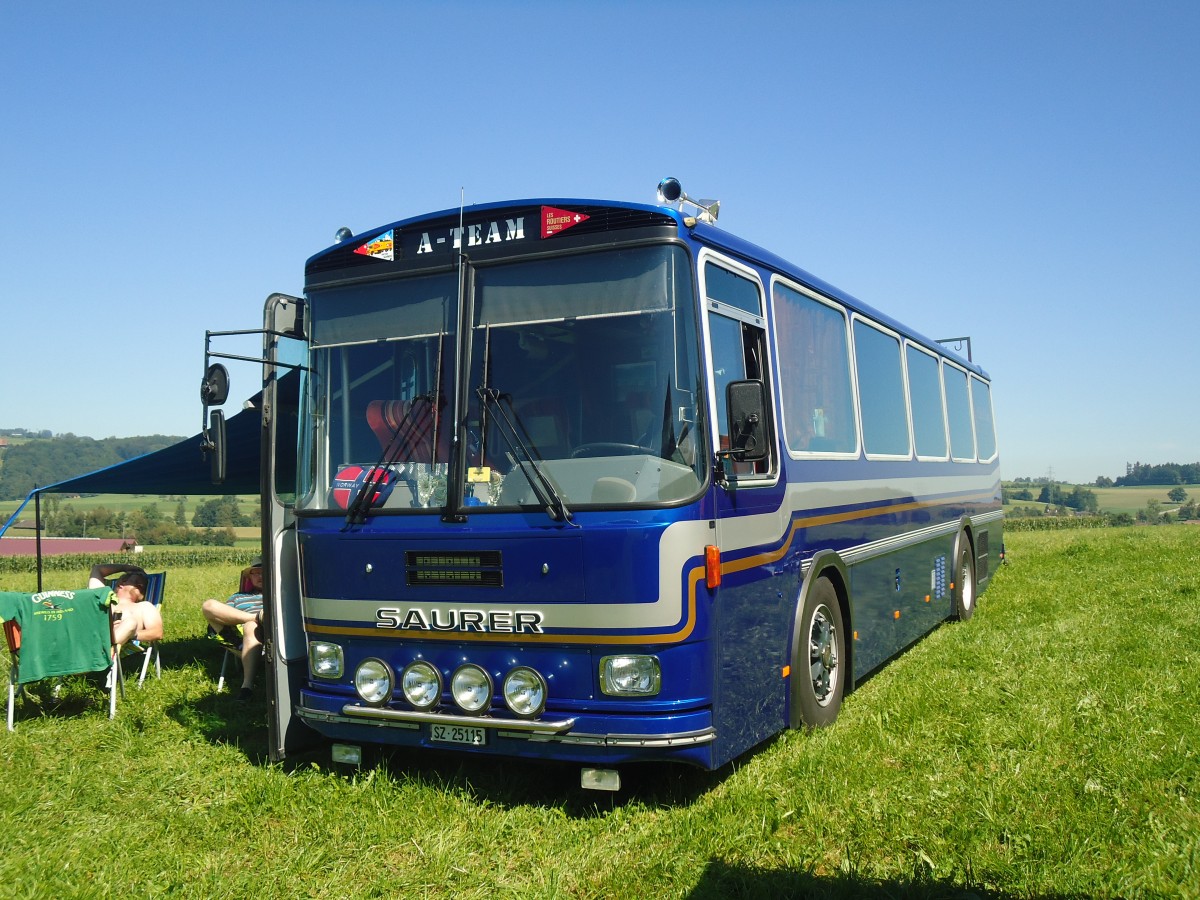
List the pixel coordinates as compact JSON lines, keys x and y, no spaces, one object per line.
{"x":670,"y":191}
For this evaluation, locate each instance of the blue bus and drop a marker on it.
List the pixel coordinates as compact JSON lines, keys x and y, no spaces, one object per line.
{"x":600,"y":482}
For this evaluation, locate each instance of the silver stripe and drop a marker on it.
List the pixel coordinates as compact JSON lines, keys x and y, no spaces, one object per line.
{"x":895,"y":543}
{"x":875,"y":549}
{"x":534,"y":726}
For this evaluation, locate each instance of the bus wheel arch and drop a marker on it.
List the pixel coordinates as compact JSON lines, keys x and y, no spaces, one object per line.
{"x":965,"y":591}
{"x":821,"y":662}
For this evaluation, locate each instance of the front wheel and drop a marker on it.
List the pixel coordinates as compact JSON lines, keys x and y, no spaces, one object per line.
{"x":819,"y":672}
{"x":964,"y":583}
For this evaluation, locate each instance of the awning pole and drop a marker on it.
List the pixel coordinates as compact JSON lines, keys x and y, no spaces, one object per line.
{"x":37,"y":531}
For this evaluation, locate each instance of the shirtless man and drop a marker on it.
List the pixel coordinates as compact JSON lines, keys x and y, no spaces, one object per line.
{"x":133,"y":617}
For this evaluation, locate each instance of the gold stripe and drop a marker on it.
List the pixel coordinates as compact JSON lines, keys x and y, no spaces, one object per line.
{"x":695,"y":575}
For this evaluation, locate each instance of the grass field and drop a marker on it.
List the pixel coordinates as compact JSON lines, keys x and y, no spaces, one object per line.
{"x":1119,"y":499}
{"x":166,"y":503}
{"x":1046,"y":749}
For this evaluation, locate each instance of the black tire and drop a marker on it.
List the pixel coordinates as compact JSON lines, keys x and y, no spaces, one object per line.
{"x":965,"y":590}
{"x":819,"y":671}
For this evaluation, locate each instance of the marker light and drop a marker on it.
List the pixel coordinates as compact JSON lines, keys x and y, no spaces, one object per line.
{"x":471,"y":688}
{"x":324,"y":659}
{"x":524,"y":692}
{"x":421,"y":684}
{"x":373,"y":679}
{"x":712,"y":566}
{"x":630,"y":676}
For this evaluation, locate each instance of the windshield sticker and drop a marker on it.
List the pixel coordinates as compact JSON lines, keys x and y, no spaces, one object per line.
{"x":555,"y":221}
{"x":381,"y":247}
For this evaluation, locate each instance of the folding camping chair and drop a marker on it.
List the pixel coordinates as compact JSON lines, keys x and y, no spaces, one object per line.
{"x":156,"y":583}
{"x":231,"y":644}
{"x":61,"y":636}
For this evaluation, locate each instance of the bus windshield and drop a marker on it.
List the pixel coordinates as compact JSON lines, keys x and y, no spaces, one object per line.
{"x":581,"y":383}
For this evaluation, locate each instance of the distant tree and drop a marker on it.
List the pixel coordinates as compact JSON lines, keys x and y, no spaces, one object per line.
{"x":1151,"y":512}
{"x":1103,"y":481}
{"x":1177,"y":495}
{"x":220,"y":513}
{"x":1082,"y":499}
{"x":1166,"y":473}
{"x":50,"y":459}
{"x":181,"y":513}
{"x":213,"y":538}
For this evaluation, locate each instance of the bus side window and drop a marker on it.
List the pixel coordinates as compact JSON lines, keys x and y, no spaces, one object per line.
{"x":813,"y":356}
{"x":738,"y":346}
{"x":958,"y":409}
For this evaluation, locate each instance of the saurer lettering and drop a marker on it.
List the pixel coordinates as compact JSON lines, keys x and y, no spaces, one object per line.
{"x":507,"y":621}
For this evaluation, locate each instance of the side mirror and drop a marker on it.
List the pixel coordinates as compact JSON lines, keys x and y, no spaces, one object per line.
{"x":746,"y":403}
{"x":214,"y":445}
{"x":214,"y":389}
{"x":289,"y":317}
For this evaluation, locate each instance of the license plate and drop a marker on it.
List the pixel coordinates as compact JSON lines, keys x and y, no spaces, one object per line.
{"x":458,"y":734}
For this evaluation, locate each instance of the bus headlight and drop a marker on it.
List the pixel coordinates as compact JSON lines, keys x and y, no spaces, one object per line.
{"x":471,"y":688}
{"x":421,"y":684}
{"x":373,"y":679}
{"x":324,"y":659}
{"x":622,"y":676}
{"x":524,"y":692}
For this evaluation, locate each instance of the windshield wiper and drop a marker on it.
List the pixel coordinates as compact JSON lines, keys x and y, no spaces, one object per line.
{"x":523,"y":451}
{"x":406,"y":435}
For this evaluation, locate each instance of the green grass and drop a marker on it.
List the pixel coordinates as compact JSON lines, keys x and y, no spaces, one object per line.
{"x":1048,"y":748}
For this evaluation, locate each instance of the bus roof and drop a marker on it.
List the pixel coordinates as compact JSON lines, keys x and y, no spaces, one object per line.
{"x":433,"y":235}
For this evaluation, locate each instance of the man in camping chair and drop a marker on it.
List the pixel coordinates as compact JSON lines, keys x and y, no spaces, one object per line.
{"x":237,"y":623}
{"x":134,"y":618}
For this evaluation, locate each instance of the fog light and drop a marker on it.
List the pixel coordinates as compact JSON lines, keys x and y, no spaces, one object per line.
{"x":471,"y":688}
{"x":324,"y":659}
{"x":630,"y":676}
{"x":525,"y":692}
{"x":373,"y":679}
{"x":600,"y":779}
{"x":421,"y":684}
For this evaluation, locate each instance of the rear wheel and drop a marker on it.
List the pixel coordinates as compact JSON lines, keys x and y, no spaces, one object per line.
{"x":818,"y":677}
{"x":964,"y":582}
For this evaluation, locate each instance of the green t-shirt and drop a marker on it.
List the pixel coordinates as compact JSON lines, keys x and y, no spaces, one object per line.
{"x":62,"y":632}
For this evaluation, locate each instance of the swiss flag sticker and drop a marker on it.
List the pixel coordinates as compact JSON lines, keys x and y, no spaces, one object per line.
{"x":555,"y":221}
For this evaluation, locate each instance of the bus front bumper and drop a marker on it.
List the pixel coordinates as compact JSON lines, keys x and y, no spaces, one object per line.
{"x":602,"y":739}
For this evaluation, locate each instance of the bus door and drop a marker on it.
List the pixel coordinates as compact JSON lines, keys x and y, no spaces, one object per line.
{"x":750,"y":603}
{"x":737,"y":350}
{"x":285,"y":652}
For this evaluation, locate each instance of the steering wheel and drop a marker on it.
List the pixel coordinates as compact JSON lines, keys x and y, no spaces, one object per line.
{"x":609,"y":448}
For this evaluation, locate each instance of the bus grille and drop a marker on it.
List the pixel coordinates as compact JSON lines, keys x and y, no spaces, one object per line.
{"x":454,"y":567}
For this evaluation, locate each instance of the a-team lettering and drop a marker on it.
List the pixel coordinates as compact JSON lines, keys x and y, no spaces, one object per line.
{"x":476,"y":234}
{"x":504,"y":621}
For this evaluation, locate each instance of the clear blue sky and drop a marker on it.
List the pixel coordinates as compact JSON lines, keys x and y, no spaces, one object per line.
{"x":1027,"y":173}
